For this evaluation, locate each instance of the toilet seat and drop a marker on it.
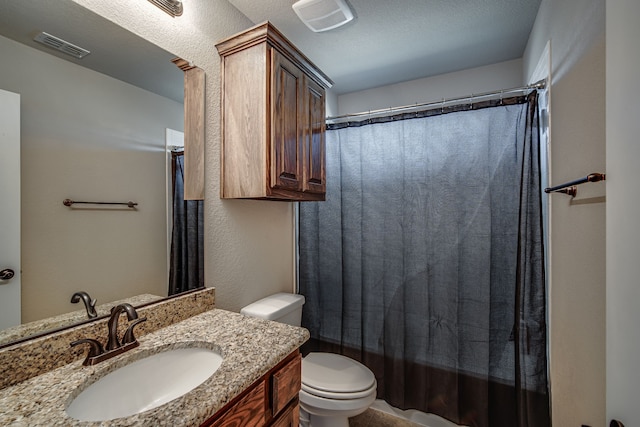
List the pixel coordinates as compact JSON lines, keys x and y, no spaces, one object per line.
{"x":322,"y":406}
{"x":339,"y":396}
{"x":333,"y":376}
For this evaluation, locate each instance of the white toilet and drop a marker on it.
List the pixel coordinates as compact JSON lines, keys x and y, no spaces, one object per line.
{"x":334,"y":387}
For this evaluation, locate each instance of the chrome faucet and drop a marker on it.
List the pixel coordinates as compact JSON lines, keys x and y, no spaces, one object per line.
{"x":89,"y":304}
{"x":114,"y":347}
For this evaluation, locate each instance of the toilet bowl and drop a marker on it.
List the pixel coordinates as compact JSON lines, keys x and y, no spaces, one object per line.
{"x":334,"y":387}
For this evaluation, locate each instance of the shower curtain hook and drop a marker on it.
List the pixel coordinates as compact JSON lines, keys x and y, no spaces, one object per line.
{"x":369,"y":118}
{"x":501,"y":91}
{"x":442,"y":107}
{"x":471,"y":102}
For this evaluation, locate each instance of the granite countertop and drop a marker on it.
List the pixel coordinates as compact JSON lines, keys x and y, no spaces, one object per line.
{"x":250,"y":347}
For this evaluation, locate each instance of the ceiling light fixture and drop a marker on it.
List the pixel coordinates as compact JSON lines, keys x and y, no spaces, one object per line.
{"x":323,"y":15}
{"x":172,"y":7}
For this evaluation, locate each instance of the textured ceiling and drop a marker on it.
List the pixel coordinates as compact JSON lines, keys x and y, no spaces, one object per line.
{"x":389,"y":41}
{"x":397,"y":40}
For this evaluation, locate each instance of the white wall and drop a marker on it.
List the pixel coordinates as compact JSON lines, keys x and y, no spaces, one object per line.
{"x":84,"y":137}
{"x":331,"y":104}
{"x":248,"y":244}
{"x":503,"y":75}
{"x":577,"y":277}
{"x":623,"y":211}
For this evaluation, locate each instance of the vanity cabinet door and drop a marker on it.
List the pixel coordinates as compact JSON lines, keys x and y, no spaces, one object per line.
{"x":248,"y":412}
{"x":285,"y":384}
{"x":289,"y":418}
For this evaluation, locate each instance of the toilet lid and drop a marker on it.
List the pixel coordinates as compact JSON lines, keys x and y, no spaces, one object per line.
{"x":334,"y":373}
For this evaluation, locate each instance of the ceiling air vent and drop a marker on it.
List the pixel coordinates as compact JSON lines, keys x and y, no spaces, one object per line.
{"x":61,"y":45}
{"x":172,"y":7}
{"x":323,"y":15}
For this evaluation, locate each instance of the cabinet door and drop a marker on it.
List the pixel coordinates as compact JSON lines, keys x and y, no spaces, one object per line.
{"x":248,"y":412}
{"x":286,"y":134}
{"x":285,"y":384}
{"x":289,"y":418}
{"x":314,"y":134}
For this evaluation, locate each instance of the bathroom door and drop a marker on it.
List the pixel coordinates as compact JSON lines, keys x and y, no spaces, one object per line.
{"x":9,"y":209}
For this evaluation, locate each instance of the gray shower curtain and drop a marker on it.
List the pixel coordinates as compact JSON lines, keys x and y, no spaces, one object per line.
{"x":426,"y":261}
{"x":186,"y":265}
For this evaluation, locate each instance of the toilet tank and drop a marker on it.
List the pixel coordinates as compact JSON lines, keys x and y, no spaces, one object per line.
{"x":282,"y":307}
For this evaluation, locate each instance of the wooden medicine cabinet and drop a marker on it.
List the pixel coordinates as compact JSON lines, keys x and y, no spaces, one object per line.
{"x":273,"y":119}
{"x":194,"y":90}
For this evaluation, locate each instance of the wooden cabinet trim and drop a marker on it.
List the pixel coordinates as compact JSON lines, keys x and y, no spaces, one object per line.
{"x":267,"y":32}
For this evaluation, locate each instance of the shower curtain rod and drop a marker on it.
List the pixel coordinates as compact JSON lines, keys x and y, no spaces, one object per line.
{"x":538,"y":85}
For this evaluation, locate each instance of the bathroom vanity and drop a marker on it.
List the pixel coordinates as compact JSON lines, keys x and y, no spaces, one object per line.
{"x":257,"y":382}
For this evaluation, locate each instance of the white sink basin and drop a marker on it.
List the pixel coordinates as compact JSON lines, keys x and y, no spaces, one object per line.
{"x":145,"y":384}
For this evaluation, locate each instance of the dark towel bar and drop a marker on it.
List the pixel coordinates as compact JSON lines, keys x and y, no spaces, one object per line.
{"x":570,"y":187}
{"x":69,"y":202}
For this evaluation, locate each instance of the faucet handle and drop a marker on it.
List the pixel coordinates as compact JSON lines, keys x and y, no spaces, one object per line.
{"x":95,"y":348}
{"x":128,"y":335}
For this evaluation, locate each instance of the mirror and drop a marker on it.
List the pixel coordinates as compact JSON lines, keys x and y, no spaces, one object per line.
{"x":92,"y":129}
